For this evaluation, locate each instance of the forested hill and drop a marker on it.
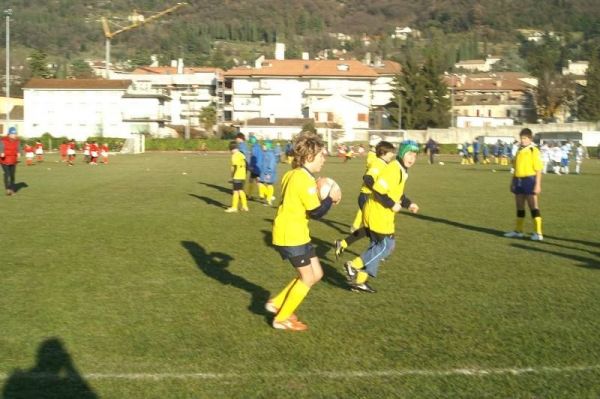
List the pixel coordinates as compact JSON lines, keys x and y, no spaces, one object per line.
{"x":72,"y":27}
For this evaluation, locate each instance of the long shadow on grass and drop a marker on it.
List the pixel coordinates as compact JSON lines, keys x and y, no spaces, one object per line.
{"x":460,"y":225}
{"x":590,"y":263}
{"x":53,"y":376}
{"x":209,"y":201}
{"x":214,"y":265}
{"x":331,"y":275}
{"x":218,"y":188}
{"x":19,"y":186}
{"x":583,"y":242}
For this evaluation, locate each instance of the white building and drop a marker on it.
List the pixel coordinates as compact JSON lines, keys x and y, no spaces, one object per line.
{"x":402,"y":33}
{"x":288,"y":88}
{"x":81,"y":108}
{"x":578,"y":68}
{"x":477,"y":65}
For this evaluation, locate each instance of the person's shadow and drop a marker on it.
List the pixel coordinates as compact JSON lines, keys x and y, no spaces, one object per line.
{"x":19,"y":186}
{"x":217,"y":187}
{"x":54,"y":376}
{"x":209,"y":201}
{"x":214,"y":265}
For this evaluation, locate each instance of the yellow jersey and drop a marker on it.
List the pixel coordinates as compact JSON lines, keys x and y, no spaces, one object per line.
{"x":371,"y":156}
{"x":528,"y":161}
{"x":238,"y":166}
{"x":298,"y":195}
{"x":390,"y":182}
{"x":377,"y":166}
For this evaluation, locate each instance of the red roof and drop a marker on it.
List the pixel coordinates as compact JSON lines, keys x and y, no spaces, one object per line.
{"x":78,"y":84}
{"x":303,"y":68}
{"x":388,"y":68}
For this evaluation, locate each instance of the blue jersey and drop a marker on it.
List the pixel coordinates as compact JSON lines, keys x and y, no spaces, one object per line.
{"x":256,"y":159}
{"x":243,"y":147}
{"x":277,"y":151}
{"x":268,"y":170}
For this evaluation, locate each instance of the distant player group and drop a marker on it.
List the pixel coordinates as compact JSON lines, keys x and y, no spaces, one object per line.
{"x":381,"y":197}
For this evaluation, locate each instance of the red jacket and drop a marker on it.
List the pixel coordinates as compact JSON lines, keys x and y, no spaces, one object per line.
{"x":10,"y":149}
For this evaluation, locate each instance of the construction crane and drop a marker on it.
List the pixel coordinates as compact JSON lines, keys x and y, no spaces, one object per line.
{"x":137,"y":21}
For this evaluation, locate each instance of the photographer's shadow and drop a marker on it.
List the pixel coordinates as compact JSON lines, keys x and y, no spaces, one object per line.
{"x":214,"y":265}
{"x":54,"y":376}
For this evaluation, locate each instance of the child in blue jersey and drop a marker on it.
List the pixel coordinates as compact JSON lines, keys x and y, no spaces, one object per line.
{"x":254,"y":165}
{"x":268,"y":173}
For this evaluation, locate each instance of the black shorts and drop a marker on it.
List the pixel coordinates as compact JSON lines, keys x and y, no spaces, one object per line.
{"x":523,"y":185}
{"x":254,"y":175}
{"x":298,"y":255}
{"x":238,"y":185}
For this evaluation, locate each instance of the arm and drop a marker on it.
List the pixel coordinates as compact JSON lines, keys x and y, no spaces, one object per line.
{"x":321,"y":210}
{"x":538,"y":182}
{"x":368,"y":181}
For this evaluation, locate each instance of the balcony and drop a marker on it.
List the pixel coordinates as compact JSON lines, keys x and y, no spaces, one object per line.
{"x":196,"y":96}
{"x":160,"y":94}
{"x":317,"y":91}
{"x":160,"y":118}
{"x":266,"y":91}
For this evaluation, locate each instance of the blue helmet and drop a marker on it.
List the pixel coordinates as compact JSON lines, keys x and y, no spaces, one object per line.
{"x":407,"y":146}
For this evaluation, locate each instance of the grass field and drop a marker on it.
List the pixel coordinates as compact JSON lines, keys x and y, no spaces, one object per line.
{"x":129,"y":281}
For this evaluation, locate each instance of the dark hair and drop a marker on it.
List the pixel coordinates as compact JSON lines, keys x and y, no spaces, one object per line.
{"x":240,"y":136}
{"x":233,"y":145}
{"x":526,"y":132}
{"x":383,"y":147}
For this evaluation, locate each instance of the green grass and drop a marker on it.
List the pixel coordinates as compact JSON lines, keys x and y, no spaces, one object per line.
{"x":155,"y":292}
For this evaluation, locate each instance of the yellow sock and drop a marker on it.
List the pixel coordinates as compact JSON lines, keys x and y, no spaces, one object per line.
{"x":270,"y":190}
{"x":279,"y":298}
{"x":243,"y":199}
{"x":537,"y":222}
{"x":357,"y":263}
{"x":261,"y":190}
{"x":361,"y":277}
{"x":344,"y":244}
{"x":357,"y":220}
{"x":235,"y":199}
{"x":294,"y":298}
{"x":519,"y":225}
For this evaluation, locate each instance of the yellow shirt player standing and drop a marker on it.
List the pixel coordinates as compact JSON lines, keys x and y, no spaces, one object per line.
{"x":238,"y":177}
{"x":378,"y":216}
{"x":291,"y":237}
{"x":526,"y":184}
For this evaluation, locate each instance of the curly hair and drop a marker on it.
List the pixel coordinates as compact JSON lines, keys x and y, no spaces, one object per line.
{"x":306,"y":146}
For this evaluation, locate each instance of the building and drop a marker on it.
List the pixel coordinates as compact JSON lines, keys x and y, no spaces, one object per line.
{"x":289,"y":88}
{"x":14,"y":107}
{"x":491,"y":99}
{"x":477,"y":65}
{"x":85,"y":108}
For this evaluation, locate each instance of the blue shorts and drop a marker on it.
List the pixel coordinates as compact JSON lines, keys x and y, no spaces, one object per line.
{"x":298,"y":255}
{"x":523,"y":185}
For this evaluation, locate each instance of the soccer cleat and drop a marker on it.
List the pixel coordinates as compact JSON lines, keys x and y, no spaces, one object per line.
{"x":364,"y":287}
{"x":514,"y":234}
{"x":231,"y":210}
{"x":245,"y":209}
{"x":290,"y":325}
{"x":537,"y":237}
{"x":339,"y":249}
{"x":271,"y":308}
{"x":351,"y":272}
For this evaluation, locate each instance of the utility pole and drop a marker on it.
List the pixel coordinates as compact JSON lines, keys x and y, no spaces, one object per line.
{"x":7,"y":14}
{"x":399,"y":109}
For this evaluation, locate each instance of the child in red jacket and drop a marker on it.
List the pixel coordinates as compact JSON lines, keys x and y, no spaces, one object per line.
{"x":29,"y":154}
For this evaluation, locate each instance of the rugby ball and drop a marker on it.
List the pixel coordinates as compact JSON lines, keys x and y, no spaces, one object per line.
{"x":325,"y":185}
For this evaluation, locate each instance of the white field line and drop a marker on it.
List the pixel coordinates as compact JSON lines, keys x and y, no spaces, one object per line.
{"x":474,"y":372}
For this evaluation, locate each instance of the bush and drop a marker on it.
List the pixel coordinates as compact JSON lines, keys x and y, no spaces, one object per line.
{"x":176,"y":144}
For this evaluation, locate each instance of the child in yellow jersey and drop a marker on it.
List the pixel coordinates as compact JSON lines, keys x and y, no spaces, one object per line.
{"x":299,"y":202}
{"x":526,"y":184}
{"x":238,"y":177}
{"x":384,"y":154}
{"x":386,"y":200}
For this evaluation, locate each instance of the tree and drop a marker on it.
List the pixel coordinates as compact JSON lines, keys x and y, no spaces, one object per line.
{"x":38,"y":65}
{"x":589,"y":108}
{"x":553,"y":92}
{"x":81,"y":70}
{"x":208,"y":117}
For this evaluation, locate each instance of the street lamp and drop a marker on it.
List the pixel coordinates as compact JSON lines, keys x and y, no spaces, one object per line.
{"x":7,"y":14}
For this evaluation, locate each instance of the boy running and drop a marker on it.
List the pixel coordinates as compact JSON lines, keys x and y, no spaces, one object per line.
{"x":526,"y":184}
{"x":238,"y":177}
{"x":379,"y":214}
{"x":384,"y":154}
{"x":291,"y":237}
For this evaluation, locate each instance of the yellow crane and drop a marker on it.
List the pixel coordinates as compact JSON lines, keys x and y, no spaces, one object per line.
{"x":137,"y":21}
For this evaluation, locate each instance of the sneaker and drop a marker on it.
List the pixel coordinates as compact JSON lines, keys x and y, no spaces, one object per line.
{"x":339,"y":249}
{"x":289,"y":324}
{"x":245,"y":209}
{"x":364,"y":287}
{"x":537,"y":237}
{"x":351,"y":272}
{"x":271,"y":308}
{"x":514,"y":234}
{"x":231,"y":210}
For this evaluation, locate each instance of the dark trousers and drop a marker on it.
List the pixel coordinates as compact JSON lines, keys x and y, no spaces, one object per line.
{"x":9,"y":176}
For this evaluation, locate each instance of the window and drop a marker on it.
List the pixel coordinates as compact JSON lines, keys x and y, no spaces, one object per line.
{"x":362,"y":117}
{"x":330,"y":117}
{"x":489,"y":112}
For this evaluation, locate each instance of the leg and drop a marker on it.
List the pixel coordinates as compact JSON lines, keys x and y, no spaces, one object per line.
{"x":532,"y":202}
